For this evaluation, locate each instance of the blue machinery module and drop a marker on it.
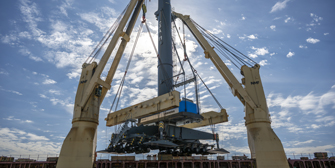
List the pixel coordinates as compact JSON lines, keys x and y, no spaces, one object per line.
{"x":188,"y":106}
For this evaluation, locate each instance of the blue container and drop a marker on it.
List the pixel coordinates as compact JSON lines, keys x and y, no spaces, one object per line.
{"x":190,"y":107}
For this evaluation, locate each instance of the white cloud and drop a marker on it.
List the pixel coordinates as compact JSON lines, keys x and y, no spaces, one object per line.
{"x":9,"y":39}
{"x":65,"y":103}
{"x":11,"y":91}
{"x":258,"y":51}
{"x":325,"y":34}
{"x":98,"y":20}
{"x":12,"y":118}
{"x":49,"y":81}
{"x":216,"y":31}
{"x":3,"y":72}
{"x":302,"y":46}
{"x":43,"y":96}
{"x":243,"y":18}
{"x":65,"y":5}
{"x":263,"y":62}
{"x":253,"y":55}
{"x":252,"y":37}
{"x":288,"y":19}
{"x":273,"y":27}
{"x":228,"y":35}
{"x":279,"y":6}
{"x":312,"y":40}
{"x":315,"y":22}
{"x":55,"y":92}
{"x":310,"y":103}
{"x":31,"y":15}
{"x":290,"y":54}
{"x":310,"y":149}
{"x":16,"y":141}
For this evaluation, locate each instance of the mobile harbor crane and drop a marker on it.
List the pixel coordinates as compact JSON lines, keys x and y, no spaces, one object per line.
{"x":165,"y":123}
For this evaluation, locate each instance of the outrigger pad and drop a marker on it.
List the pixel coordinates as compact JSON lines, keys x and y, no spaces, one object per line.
{"x":218,"y":151}
{"x":161,"y":143}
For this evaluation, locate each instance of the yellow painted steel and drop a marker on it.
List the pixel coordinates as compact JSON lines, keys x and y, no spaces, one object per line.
{"x":78,"y":148}
{"x":264,"y":144}
{"x":210,"y":118}
{"x":146,"y":108}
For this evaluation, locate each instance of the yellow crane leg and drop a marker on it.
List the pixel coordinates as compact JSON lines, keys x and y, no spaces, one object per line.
{"x":78,"y":149}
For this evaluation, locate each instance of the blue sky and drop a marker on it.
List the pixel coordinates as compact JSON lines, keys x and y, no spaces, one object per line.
{"x":44,"y":44}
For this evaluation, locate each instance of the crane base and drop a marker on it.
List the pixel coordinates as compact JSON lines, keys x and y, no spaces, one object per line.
{"x":78,"y":149}
{"x":265,"y":146}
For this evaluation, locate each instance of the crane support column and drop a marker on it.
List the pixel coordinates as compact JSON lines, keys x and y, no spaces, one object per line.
{"x":264,"y":144}
{"x":165,"y":67}
{"x":78,"y":149}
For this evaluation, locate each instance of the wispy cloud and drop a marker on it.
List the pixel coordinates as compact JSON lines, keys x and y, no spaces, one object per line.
{"x":11,"y":91}
{"x":310,"y":103}
{"x":279,"y":6}
{"x":302,"y":46}
{"x":3,"y":72}
{"x":17,"y":141}
{"x":49,"y":81}
{"x":250,"y":37}
{"x":11,"y":118}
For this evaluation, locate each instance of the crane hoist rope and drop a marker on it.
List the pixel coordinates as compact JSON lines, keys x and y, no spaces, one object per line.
{"x":105,"y":38}
{"x":193,"y":69}
{"x":224,"y":48}
{"x":119,"y":91}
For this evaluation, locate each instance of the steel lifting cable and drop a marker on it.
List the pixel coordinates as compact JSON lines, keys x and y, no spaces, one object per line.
{"x":181,"y":64}
{"x":205,"y":84}
{"x":103,"y":41}
{"x":215,"y":37}
{"x":193,"y":69}
{"x":181,"y":68}
{"x":224,"y":50}
{"x":119,"y":91}
{"x":221,"y":47}
{"x":227,"y":56}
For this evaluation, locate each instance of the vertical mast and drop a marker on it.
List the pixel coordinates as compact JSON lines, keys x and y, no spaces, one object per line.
{"x":165,"y":67}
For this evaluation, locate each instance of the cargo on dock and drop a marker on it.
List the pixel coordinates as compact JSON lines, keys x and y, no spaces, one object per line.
{"x":321,"y":155}
{"x":240,"y":157}
{"x":123,"y":158}
{"x":25,"y":160}
{"x":52,"y":159}
{"x":220,"y":157}
{"x":6,"y":159}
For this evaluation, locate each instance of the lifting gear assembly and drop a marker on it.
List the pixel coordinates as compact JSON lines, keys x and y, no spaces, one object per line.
{"x":166,"y":122}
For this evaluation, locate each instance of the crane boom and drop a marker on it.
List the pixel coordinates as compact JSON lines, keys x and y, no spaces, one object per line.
{"x":233,"y":83}
{"x":78,"y":149}
{"x":264,"y":144}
